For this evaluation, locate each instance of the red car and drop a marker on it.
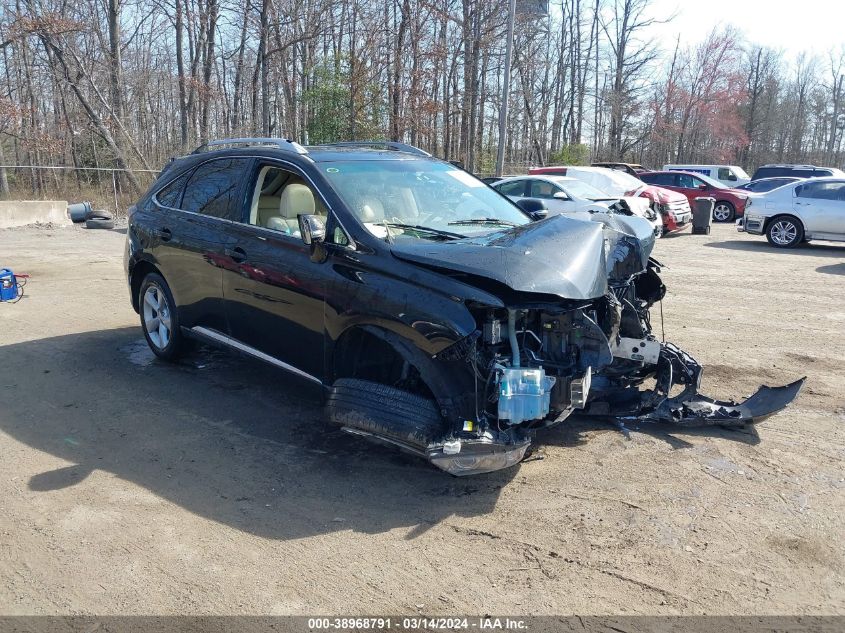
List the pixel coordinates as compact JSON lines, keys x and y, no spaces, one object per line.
{"x":672,"y":206}
{"x":730,"y":203}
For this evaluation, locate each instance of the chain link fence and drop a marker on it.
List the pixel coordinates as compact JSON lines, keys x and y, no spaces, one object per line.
{"x":104,"y":187}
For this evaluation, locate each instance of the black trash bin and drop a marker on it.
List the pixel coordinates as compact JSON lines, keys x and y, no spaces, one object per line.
{"x":702,"y":215}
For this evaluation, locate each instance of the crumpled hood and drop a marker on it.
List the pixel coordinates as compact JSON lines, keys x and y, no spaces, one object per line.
{"x":560,"y":256}
{"x":664,"y":196}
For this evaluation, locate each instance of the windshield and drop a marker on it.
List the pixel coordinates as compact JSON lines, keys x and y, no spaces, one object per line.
{"x":610,"y":181}
{"x":420,"y":199}
{"x":579,"y":189}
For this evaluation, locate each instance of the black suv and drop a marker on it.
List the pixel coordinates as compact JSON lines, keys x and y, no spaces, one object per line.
{"x":797,"y":171}
{"x":437,"y":315}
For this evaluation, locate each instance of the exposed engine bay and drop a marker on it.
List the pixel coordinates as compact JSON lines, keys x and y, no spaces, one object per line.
{"x":536,"y":365}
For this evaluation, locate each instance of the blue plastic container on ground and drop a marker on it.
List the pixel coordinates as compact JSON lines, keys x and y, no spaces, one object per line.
{"x":8,"y":285}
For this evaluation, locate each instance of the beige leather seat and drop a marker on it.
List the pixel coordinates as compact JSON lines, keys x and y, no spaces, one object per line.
{"x":296,"y":200}
{"x":268,"y":207}
{"x":371,"y":210}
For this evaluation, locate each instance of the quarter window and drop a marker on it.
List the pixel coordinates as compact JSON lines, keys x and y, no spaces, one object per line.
{"x":213,"y":189}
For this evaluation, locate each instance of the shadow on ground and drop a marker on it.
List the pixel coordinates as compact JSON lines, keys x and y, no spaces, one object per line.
{"x":832,"y":269}
{"x":813,"y":249}
{"x":224,"y":437}
{"x":575,"y":431}
{"x":237,"y":441}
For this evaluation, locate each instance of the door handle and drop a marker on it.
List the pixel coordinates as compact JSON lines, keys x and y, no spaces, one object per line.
{"x":237,"y":254}
{"x":164,"y":233}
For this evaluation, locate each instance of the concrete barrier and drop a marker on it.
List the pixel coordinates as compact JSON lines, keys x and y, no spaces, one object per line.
{"x":22,"y":212}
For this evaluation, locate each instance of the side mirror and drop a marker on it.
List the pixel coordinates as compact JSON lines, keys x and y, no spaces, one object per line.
{"x":703,"y":187}
{"x":536,"y":209}
{"x":560,"y":195}
{"x":312,"y":228}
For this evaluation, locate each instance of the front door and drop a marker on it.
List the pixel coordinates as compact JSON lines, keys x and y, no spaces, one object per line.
{"x":273,"y":291}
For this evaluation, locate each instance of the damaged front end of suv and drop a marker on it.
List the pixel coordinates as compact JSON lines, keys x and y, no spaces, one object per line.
{"x":565,"y":328}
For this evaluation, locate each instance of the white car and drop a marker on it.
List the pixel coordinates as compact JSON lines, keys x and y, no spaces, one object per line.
{"x":812,"y":209}
{"x":728,"y":175}
{"x":573,"y":196}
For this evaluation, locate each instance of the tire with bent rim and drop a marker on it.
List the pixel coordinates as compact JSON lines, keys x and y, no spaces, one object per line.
{"x":159,"y":318}
{"x":723,"y":211}
{"x":785,"y":231}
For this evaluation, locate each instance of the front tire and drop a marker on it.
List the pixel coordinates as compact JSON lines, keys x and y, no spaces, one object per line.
{"x":723,"y":212}
{"x":385,"y":412}
{"x":159,"y":318}
{"x":785,"y":231}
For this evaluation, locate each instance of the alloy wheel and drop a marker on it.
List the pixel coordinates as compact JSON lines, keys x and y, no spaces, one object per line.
{"x":157,"y":317}
{"x":783,"y":232}
{"x":722,"y":212}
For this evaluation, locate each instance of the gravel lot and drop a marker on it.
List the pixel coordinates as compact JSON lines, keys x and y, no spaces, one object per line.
{"x":132,"y":486}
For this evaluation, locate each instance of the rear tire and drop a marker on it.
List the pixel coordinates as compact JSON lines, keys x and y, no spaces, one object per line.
{"x":160,"y":318}
{"x":723,"y":211}
{"x":384,"y":411}
{"x":785,"y":231}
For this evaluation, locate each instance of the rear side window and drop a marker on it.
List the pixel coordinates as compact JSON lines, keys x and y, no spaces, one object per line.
{"x":667,"y":180}
{"x":171,"y":195}
{"x":214,"y":187}
{"x":822,"y":190}
{"x":771,"y":172}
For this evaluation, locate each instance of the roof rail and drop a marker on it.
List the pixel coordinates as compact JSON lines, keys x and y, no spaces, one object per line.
{"x":391,"y":145}
{"x":281,"y":143}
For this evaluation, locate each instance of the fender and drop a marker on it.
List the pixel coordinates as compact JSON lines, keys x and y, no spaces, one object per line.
{"x":449,"y":381}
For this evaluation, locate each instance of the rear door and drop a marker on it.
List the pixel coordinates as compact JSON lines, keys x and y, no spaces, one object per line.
{"x":821,"y":206}
{"x":194,"y":214}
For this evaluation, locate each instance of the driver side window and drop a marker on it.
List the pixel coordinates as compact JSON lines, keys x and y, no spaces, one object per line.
{"x":687,"y":182}
{"x":542,"y":189}
{"x":279,"y":197}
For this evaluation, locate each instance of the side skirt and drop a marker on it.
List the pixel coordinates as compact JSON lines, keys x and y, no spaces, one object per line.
{"x":218,"y":338}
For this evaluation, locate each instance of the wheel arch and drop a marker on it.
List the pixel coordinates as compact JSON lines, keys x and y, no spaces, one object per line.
{"x":791,"y":216}
{"x":137,"y":273}
{"x":442,"y":380}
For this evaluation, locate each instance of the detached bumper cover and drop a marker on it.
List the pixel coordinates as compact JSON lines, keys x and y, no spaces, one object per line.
{"x":692,"y":409}
{"x":697,"y":410}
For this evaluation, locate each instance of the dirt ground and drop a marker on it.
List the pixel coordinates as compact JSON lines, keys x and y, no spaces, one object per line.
{"x":129,"y":486}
